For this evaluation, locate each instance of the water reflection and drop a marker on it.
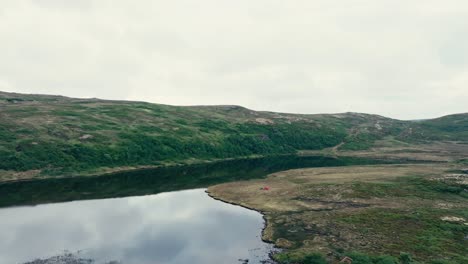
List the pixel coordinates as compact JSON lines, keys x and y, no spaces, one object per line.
{"x":177,"y":227}
{"x":152,"y":181}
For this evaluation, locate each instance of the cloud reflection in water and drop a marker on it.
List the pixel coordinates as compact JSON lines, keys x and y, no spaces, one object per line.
{"x":170,"y":228}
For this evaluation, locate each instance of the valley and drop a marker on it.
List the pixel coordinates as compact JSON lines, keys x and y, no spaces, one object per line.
{"x":331,"y":187}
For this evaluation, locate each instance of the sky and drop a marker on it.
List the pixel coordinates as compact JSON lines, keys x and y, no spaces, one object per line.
{"x":405,"y":59}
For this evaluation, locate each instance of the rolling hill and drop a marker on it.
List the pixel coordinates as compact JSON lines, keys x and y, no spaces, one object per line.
{"x":55,"y":135}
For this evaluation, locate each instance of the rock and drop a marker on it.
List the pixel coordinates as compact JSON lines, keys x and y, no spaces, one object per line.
{"x":86,"y":136}
{"x":264,"y":121}
{"x":453,"y":219}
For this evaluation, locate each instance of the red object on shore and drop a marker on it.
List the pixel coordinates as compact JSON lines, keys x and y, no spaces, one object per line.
{"x":266,"y":188}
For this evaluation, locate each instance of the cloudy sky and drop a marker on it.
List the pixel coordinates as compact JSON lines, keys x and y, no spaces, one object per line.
{"x":405,"y":59}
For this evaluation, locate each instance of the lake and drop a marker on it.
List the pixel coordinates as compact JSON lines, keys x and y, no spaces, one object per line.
{"x":172,"y":228}
{"x":165,"y":179}
{"x":140,"y":216}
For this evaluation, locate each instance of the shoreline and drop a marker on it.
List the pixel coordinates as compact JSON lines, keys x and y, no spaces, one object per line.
{"x":265,"y":223}
{"x":145,"y":167}
{"x":314,"y":201}
{"x":299,"y":154}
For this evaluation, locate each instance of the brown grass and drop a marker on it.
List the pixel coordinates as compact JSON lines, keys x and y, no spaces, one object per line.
{"x":303,"y":206}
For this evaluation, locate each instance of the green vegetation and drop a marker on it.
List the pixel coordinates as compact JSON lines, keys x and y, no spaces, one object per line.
{"x":313,"y":258}
{"x":360,"y":141}
{"x":371,"y":214}
{"x":372,"y":220}
{"x":410,"y":187}
{"x":423,"y":232}
{"x":418,"y":228}
{"x":62,"y":136}
{"x":453,"y":127}
{"x":357,"y":258}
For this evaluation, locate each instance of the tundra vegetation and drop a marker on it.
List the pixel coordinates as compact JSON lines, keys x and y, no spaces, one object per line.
{"x":52,"y":135}
{"x":410,"y":208}
{"x":412,"y":213}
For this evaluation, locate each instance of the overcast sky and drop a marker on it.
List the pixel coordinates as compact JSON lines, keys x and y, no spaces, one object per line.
{"x":405,"y":59}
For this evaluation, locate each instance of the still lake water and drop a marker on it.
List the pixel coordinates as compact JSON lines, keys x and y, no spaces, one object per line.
{"x":152,"y":225}
{"x":171,"y":228}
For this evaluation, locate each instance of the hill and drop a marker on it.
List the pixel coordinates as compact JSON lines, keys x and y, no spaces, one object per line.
{"x":55,"y":135}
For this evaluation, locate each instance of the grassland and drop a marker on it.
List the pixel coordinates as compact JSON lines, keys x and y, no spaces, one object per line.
{"x":46,"y":136}
{"x":381,"y":214}
{"x":373,"y":214}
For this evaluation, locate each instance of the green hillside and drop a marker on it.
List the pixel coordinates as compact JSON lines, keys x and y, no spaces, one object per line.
{"x":59,"y":135}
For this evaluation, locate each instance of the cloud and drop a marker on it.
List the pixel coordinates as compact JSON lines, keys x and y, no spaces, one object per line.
{"x":403,"y":59}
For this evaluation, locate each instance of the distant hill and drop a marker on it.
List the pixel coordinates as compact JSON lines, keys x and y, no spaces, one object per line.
{"x":56,"y":134}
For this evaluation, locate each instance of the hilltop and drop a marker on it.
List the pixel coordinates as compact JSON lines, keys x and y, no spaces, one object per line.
{"x":55,"y":135}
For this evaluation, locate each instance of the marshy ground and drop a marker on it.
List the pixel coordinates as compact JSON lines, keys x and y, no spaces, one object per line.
{"x":420,"y":209}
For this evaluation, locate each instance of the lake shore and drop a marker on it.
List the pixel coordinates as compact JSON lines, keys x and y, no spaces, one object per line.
{"x":434,"y":152}
{"x":368,"y":209}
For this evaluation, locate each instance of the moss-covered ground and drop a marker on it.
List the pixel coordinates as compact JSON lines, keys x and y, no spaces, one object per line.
{"x":373,"y":214}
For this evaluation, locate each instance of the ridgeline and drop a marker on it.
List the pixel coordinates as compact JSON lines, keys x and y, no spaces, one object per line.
{"x":54,"y":135}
